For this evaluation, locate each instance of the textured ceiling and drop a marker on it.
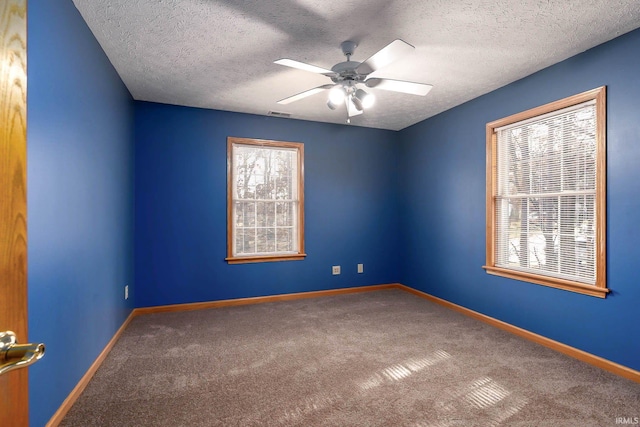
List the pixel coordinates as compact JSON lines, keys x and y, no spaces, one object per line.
{"x":219,"y":54}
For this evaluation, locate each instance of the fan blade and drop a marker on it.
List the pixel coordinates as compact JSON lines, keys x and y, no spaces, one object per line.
{"x":304,"y":94}
{"x":399,"y":86}
{"x":303,"y":66}
{"x":352,"y":110}
{"x":385,"y":56}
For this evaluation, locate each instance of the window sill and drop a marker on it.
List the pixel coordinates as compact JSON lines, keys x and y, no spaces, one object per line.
{"x":265,"y":258}
{"x":552,"y":282}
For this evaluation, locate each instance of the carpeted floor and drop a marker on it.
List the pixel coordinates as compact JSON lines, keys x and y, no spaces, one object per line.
{"x":385,"y":358}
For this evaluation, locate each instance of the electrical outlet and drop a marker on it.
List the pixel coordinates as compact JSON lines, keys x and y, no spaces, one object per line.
{"x":126,"y":291}
{"x":360,"y":268}
{"x":335,"y":270}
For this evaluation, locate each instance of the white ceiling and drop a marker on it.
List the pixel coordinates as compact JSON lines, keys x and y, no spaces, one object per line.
{"x":219,"y":53}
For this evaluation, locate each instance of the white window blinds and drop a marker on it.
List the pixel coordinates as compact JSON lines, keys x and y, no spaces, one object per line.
{"x":545,"y":207}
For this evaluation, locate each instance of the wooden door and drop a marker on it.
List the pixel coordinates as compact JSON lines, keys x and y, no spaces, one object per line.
{"x":13,"y":201}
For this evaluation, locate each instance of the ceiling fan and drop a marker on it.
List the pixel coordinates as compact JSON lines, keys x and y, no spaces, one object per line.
{"x":348,"y":78}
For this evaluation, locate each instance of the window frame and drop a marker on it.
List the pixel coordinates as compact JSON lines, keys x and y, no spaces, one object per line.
{"x":600,"y":288}
{"x":300,"y":255}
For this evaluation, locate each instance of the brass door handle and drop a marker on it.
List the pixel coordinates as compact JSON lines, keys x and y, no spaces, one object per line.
{"x":14,"y":355}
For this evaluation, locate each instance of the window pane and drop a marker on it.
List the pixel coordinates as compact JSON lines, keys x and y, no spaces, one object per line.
{"x":543,"y":232}
{"x":249,"y":214}
{"x":247,"y":236}
{"x":509,"y":229}
{"x":265,"y":214}
{"x":284,"y":242}
{"x":266,"y":240}
{"x":239,"y":214}
{"x":284,"y":214}
{"x":239,"y":242}
{"x":245,"y":214}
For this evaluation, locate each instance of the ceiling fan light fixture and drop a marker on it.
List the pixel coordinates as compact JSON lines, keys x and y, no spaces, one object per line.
{"x":331,"y":105}
{"x":337,"y":95}
{"x":365,"y":99}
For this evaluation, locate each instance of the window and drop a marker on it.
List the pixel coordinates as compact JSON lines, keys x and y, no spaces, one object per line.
{"x":546,"y":195}
{"x":265,"y":200}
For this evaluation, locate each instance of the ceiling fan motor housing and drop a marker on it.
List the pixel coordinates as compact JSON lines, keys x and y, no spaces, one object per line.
{"x":346,"y":71}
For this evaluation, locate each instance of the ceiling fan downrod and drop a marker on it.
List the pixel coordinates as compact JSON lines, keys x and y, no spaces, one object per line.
{"x":348,"y":47}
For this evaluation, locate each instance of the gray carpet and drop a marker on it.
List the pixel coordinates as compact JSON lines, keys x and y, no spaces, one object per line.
{"x":385,"y":358}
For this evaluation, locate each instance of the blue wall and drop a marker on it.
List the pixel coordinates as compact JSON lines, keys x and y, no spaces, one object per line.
{"x":443,"y":204}
{"x":80,"y":189}
{"x":409,"y":205}
{"x":180,"y":230}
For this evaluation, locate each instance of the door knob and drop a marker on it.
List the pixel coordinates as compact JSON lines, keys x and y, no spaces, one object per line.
{"x":14,"y":355}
